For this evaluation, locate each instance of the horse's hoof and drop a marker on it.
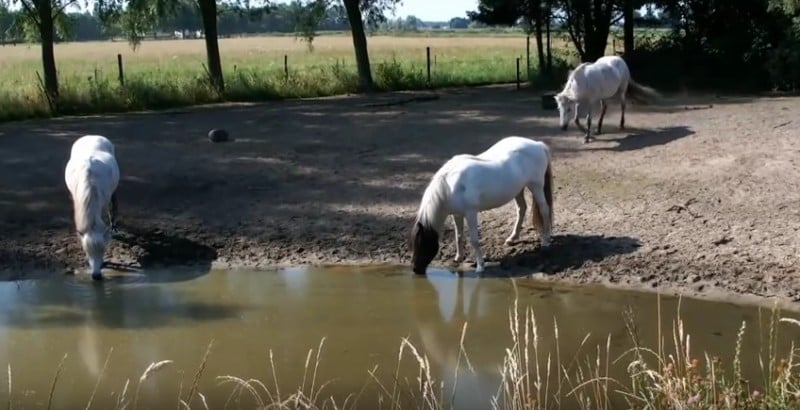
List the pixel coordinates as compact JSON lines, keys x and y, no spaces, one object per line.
{"x":511,"y":241}
{"x":458,"y":259}
{"x":479,"y":269}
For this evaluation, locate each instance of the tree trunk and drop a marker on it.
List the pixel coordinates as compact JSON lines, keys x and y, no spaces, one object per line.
{"x":47,"y":36}
{"x":547,"y":19}
{"x":208,"y":9}
{"x":627,"y":14}
{"x":359,"y":44}
{"x":596,"y":43}
{"x":537,"y":23}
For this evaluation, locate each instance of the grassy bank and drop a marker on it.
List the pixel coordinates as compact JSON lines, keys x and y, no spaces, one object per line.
{"x":667,"y":375}
{"x":171,"y":73}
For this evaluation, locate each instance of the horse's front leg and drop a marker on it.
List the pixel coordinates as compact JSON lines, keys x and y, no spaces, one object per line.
{"x":522,"y":207}
{"x":458,"y":221}
{"x":474,"y":240}
{"x":588,"y":136}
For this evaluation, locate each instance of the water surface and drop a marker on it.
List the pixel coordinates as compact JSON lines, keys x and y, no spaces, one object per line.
{"x":363,"y":314}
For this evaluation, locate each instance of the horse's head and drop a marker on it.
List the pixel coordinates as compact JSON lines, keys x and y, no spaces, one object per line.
{"x":566,"y":109}
{"x":424,"y":246}
{"x":94,"y":243}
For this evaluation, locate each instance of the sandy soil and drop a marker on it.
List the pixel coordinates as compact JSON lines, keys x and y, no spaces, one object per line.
{"x":701,"y":196}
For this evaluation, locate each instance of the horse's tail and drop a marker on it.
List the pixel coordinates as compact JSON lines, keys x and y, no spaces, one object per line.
{"x":548,"y":195}
{"x":87,"y":204}
{"x":548,"y":188}
{"x":642,"y":94}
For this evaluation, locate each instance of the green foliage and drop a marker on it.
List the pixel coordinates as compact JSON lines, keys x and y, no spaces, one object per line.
{"x":722,"y":45}
{"x":307,"y":16}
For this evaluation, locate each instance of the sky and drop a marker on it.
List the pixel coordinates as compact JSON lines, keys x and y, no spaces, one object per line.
{"x":435,"y":10}
{"x":430,"y":10}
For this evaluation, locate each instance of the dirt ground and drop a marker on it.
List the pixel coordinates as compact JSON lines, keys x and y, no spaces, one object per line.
{"x":696,"y":196}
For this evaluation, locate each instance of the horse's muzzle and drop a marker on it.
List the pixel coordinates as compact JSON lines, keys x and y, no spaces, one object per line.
{"x":418,"y":270}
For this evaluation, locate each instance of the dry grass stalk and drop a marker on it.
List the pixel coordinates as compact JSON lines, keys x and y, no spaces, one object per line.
{"x":151,"y":370}
{"x":55,"y":380}
{"x":99,"y":378}
{"x":199,"y":373}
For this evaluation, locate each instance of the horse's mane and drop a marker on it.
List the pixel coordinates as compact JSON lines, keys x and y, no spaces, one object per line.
{"x":567,"y":89}
{"x":429,"y":214}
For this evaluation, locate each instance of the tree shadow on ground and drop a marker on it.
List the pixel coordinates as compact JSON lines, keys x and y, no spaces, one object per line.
{"x":299,"y":176}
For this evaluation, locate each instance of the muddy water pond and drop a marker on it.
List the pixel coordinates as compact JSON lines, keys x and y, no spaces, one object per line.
{"x":111,"y":331}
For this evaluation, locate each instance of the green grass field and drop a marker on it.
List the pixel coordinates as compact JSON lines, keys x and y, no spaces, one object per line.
{"x":171,"y":73}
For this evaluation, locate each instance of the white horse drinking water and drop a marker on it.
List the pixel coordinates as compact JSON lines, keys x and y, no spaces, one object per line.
{"x":607,"y":78}
{"x":92,"y":176}
{"x":468,"y":184}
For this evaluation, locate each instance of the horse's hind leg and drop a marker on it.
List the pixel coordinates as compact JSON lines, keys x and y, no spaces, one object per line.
{"x":112,"y":214}
{"x":522,"y":207}
{"x":603,"y":107}
{"x":542,"y":220}
{"x":474,"y":240}
{"x":458,"y":221}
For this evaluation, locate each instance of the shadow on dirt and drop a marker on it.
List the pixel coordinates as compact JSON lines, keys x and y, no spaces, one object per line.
{"x":300,"y":175}
{"x":569,"y":252}
{"x":154,"y":248}
{"x":646,"y":138}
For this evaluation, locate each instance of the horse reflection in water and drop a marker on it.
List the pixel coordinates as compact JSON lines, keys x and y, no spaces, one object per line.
{"x":444,"y":303}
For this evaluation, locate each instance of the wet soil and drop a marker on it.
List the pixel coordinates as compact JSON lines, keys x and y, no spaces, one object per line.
{"x":698,"y":195}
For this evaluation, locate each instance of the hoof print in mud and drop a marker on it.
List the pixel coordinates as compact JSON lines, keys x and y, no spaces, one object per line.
{"x":218,"y":135}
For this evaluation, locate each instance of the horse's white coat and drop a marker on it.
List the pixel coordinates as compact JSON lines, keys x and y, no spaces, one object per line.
{"x":468,"y":184}
{"x":92,"y":176}
{"x":606,"y":78}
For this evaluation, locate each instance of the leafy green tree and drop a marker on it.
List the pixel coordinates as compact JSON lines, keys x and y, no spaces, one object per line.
{"x":42,"y":20}
{"x":138,"y":17}
{"x":533,"y":14}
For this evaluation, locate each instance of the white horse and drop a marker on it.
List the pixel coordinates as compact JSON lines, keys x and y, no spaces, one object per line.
{"x":468,"y":184}
{"x":92,"y":176}
{"x":606,"y":78}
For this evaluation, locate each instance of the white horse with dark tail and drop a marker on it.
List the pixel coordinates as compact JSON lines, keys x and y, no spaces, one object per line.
{"x":92,"y":176}
{"x":605,"y":79}
{"x":468,"y":184}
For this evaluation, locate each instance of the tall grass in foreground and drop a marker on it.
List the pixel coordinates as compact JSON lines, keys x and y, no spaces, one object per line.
{"x":667,"y":376}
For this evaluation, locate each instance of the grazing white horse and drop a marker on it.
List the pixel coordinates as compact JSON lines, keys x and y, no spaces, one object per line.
{"x":607,"y":78}
{"x":468,"y":184}
{"x":92,"y":176}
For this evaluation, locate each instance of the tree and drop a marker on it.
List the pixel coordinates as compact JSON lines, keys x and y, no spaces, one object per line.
{"x":360,"y":12}
{"x":533,"y":13}
{"x":137,"y":17}
{"x":307,"y":17}
{"x":458,"y":23}
{"x":44,"y":16}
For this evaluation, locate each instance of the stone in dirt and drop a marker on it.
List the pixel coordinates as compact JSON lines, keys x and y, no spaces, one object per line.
{"x":218,"y":135}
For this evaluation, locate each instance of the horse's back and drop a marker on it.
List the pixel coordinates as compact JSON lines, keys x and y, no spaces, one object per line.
{"x":88,"y":144}
{"x":509,"y":147}
{"x":495,"y":176}
{"x":92,"y":155}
